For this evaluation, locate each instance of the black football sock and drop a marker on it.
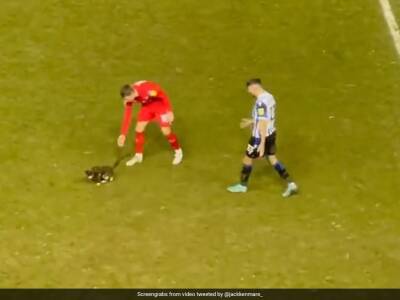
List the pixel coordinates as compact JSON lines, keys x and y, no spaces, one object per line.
{"x":245,"y":174}
{"x":280,"y":168}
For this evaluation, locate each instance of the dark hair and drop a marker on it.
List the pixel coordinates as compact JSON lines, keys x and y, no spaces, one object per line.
{"x":126,"y":90}
{"x":253,"y":81}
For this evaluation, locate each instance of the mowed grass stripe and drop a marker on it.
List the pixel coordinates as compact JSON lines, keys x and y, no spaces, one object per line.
{"x":391,"y":22}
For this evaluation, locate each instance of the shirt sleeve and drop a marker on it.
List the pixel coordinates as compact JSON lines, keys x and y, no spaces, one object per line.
{"x":154,"y":91}
{"x":126,"y":122}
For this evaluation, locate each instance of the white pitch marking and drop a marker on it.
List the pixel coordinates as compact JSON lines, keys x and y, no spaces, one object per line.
{"x":391,"y":22}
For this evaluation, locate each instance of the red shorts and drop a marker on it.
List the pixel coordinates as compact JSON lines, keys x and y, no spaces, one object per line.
{"x":154,"y":112}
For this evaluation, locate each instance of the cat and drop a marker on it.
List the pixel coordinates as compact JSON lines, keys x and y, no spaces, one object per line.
{"x":100,"y":175}
{"x":104,"y":174}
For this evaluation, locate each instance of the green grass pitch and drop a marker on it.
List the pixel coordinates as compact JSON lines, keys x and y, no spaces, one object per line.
{"x":334,"y":71}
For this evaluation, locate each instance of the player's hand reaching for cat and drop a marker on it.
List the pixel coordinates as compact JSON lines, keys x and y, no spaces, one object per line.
{"x":121,"y":140}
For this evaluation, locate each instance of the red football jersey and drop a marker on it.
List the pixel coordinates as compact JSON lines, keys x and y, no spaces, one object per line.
{"x":149,"y":91}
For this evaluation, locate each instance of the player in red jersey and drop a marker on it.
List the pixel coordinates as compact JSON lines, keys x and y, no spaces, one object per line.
{"x":155,"y":107}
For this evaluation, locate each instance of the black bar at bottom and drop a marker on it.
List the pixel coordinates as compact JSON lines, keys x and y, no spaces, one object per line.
{"x":128,"y":294}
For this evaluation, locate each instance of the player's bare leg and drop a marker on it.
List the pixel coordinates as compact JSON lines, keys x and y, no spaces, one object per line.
{"x":173,"y":141}
{"x":139,"y":144}
{"x":281,"y":170}
{"x":244,"y":177}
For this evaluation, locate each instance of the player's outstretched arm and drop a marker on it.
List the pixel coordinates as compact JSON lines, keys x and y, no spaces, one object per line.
{"x":126,"y":123}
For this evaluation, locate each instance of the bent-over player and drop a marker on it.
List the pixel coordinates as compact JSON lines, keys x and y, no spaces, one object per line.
{"x":155,"y":107}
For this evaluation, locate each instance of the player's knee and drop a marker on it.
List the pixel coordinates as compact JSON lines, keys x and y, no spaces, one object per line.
{"x":247,"y":161}
{"x":140,"y":127}
{"x":273,"y":160}
{"x":166,"y":131}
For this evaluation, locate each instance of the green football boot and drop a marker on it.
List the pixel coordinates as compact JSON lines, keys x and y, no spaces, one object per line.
{"x":237,"y":188}
{"x":290,"y":190}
